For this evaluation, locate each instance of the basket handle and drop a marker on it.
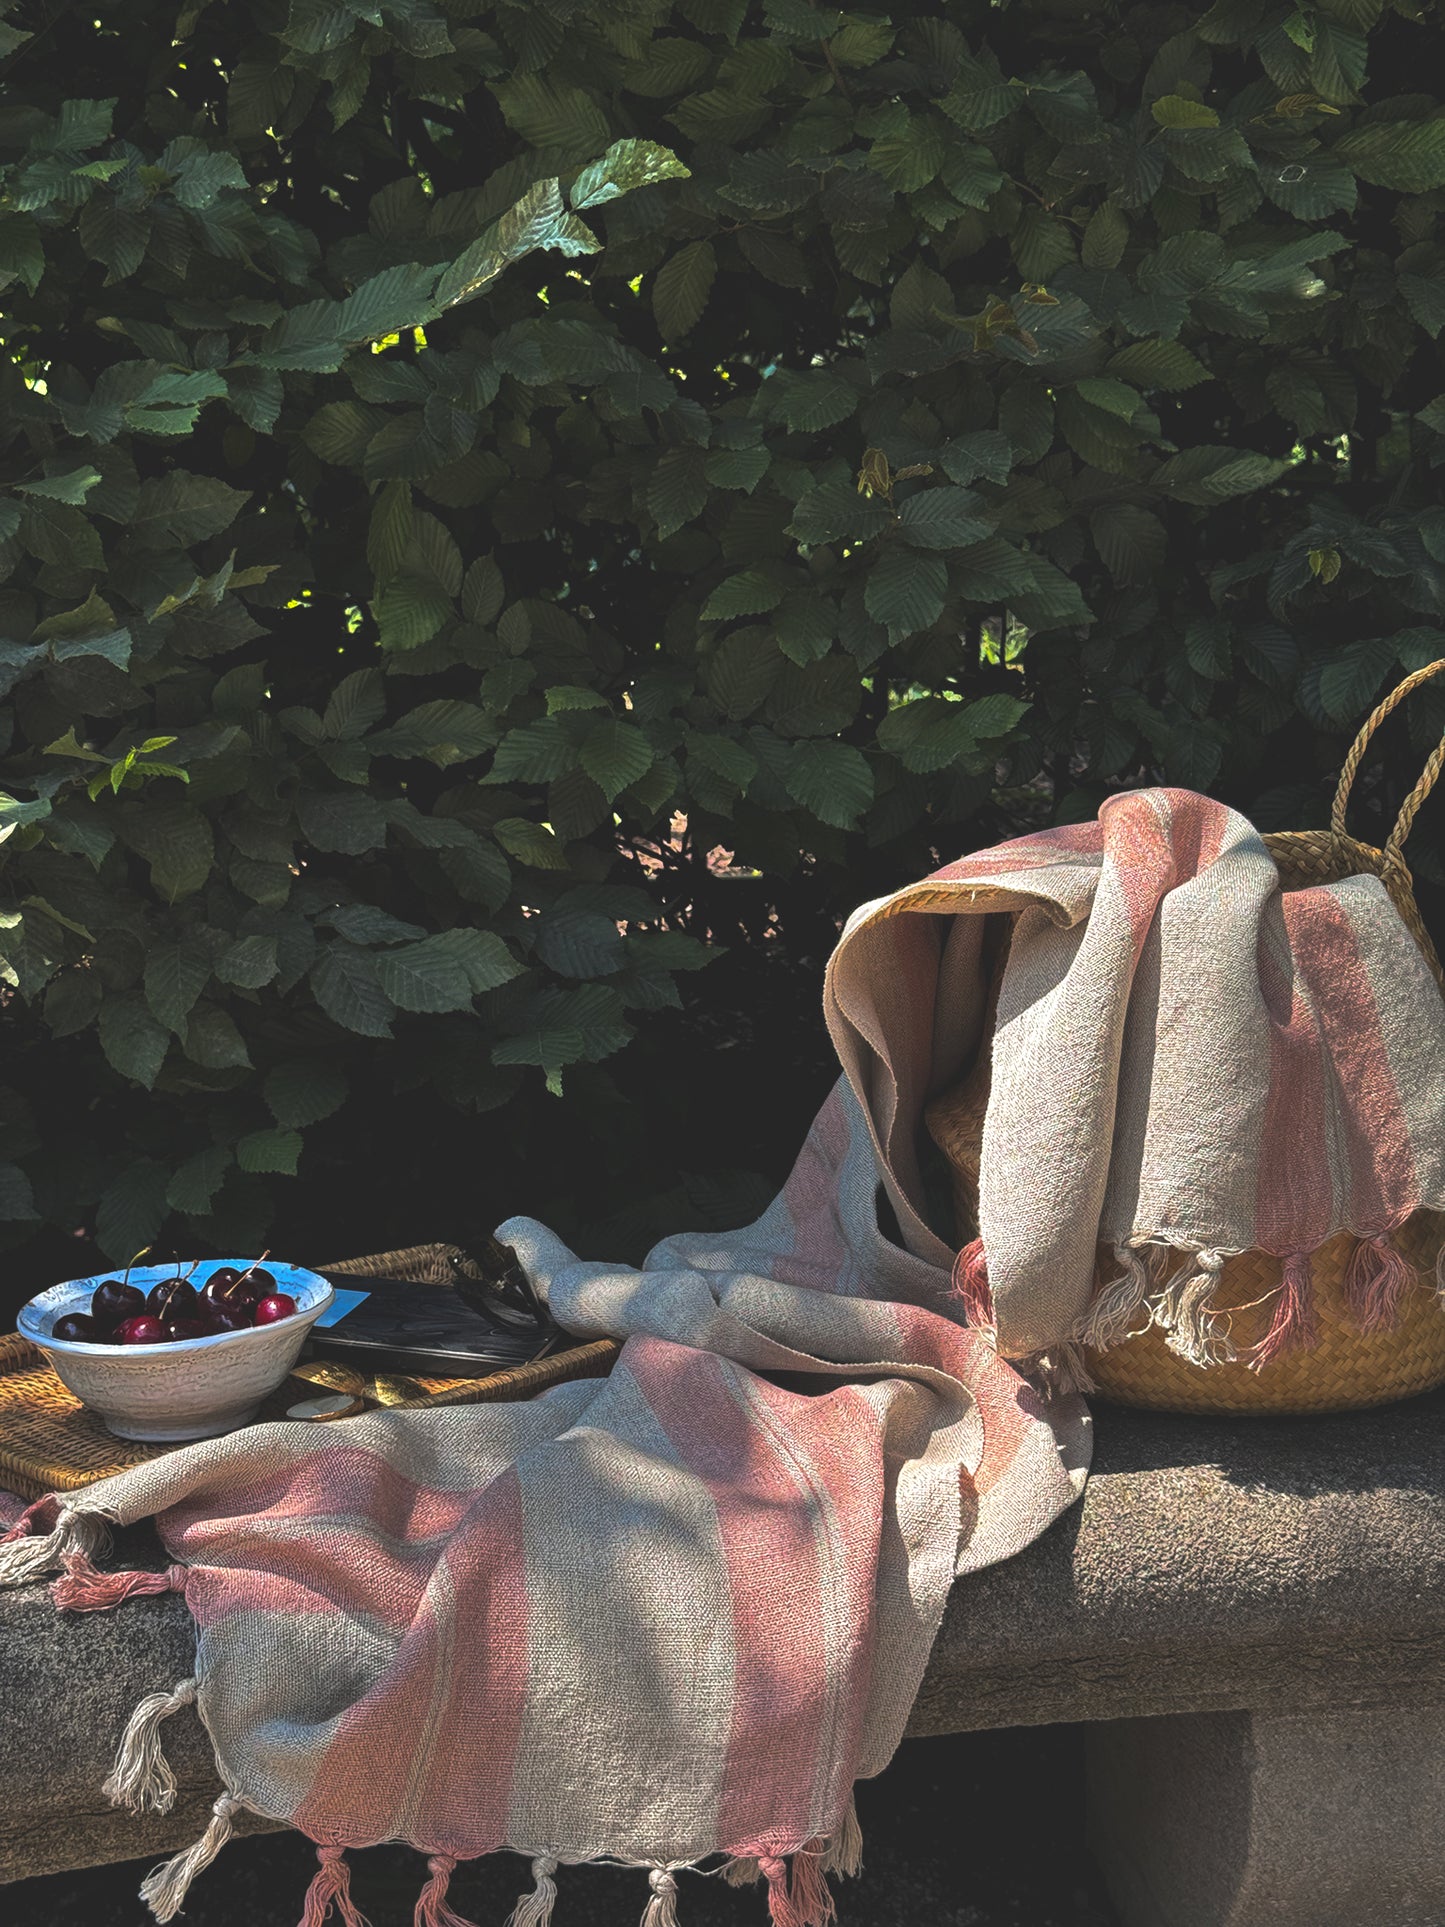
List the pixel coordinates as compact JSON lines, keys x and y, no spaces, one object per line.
{"x":1394,"y":843}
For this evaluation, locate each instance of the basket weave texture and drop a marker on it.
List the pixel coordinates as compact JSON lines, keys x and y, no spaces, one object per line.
{"x":1346,"y":1369}
{"x":50,"y":1442}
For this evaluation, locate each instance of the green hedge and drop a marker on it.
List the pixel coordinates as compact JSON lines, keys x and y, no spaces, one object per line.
{"x":888,"y":430}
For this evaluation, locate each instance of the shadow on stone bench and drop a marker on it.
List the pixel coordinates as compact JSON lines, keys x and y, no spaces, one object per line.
{"x":1249,"y":1614}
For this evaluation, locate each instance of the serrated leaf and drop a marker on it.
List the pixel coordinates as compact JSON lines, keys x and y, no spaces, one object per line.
{"x":131,"y":1209}
{"x":303,"y":1091}
{"x":1207,"y":475}
{"x":681,"y":287}
{"x":531,"y":843}
{"x":348,"y":822}
{"x":943,"y":517}
{"x":193,"y":1187}
{"x":626,"y":165}
{"x":344,"y":982}
{"x":832,"y":780}
{"x":749,"y":593}
{"x":1131,"y":542}
{"x":1408,"y":156}
{"x":837,"y":512}
{"x":742,"y":671}
{"x":249,"y":963}
{"x":580,"y":943}
{"x":1177,"y":110}
{"x":421,"y":977}
{"x":1158,"y":364}
{"x":213,"y":1041}
{"x":174,"y":978}
{"x":615,"y":755}
{"x":905,"y":591}
{"x":276,"y":1152}
{"x":134,"y":1042}
{"x":1105,"y":237}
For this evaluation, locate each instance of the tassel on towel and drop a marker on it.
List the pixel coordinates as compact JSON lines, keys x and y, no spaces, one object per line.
{"x":1376,"y":1280}
{"x":1293,"y":1328}
{"x":27,"y":1556}
{"x":970,"y":1285}
{"x":843,"y":1853}
{"x":431,"y":1907}
{"x":331,"y":1887}
{"x":781,"y":1909}
{"x":661,"y":1909}
{"x":86,"y":1589}
{"x":165,"y":1890}
{"x":1111,"y":1316}
{"x":535,"y":1909}
{"x":141,"y":1777}
{"x":1185,"y":1312}
{"x":809,"y":1891}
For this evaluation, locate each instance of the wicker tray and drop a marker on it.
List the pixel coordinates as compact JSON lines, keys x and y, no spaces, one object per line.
{"x":49,"y":1442}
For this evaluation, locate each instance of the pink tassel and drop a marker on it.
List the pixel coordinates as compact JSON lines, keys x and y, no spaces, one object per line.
{"x":85,"y":1589}
{"x":1293,"y":1328}
{"x":20,"y":1530}
{"x":782,"y":1910}
{"x":809,"y":1892}
{"x":431,"y":1907}
{"x":970,"y":1285}
{"x":1377,"y":1278}
{"x":331,"y":1887}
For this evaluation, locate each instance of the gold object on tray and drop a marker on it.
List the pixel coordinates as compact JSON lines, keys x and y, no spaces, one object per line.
{"x":50,"y":1442}
{"x":330,"y":1405}
{"x":333,"y":1377}
{"x":393,"y":1388}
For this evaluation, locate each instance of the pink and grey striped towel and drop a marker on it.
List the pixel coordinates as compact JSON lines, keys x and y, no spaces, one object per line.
{"x":668,"y":1619}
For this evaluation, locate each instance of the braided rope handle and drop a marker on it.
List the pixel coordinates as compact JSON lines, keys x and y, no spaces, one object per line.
{"x":1409,"y":809}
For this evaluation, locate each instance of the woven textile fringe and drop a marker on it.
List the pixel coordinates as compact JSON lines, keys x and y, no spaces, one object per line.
{"x":1376,"y":1280}
{"x":808,"y":1889}
{"x":535,"y":1909}
{"x":1293,"y":1328}
{"x":1111,"y":1317}
{"x":970,"y":1286}
{"x":431,"y":1907}
{"x":86,"y":1589}
{"x":744,"y":1871}
{"x":141,"y":1778}
{"x":331,"y":1887}
{"x":661,"y":1909}
{"x":1184,"y":1311}
{"x":843,"y":1852}
{"x":31,"y":1556}
{"x":165,"y":1890}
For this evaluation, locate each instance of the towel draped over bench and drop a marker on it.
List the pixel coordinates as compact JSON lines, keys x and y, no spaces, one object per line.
{"x":668,"y":1619}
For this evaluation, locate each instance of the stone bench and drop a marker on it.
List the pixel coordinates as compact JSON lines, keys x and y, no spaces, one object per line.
{"x":1250,"y":1616}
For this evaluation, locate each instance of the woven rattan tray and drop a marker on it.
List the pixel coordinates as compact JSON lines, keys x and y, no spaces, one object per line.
{"x":49,"y":1442}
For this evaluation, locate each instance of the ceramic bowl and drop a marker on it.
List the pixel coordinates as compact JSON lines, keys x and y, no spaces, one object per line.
{"x":196,"y":1389}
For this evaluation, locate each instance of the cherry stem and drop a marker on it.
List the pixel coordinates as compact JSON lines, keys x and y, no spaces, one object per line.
{"x":133,"y":1263}
{"x":253,"y":1264}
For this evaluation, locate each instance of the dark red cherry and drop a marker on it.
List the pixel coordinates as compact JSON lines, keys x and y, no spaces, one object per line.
{"x":230,"y":1287}
{"x":115,"y":1300}
{"x":230,"y":1318}
{"x":179,"y":1328}
{"x":259,"y":1283}
{"x":172,"y":1298}
{"x":272,"y":1310}
{"x":141,"y":1330}
{"x":78,"y":1328}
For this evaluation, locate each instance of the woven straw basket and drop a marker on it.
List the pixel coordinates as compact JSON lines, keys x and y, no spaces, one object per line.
{"x":1346,"y":1369}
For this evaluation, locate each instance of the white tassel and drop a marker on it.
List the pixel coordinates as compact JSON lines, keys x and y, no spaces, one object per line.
{"x":1110,"y":1318}
{"x":742,"y":1872}
{"x":141,"y":1777}
{"x":844,"y":1852}
{"x":1061,"y":1370}
{"x":1185,"y":1313}
{"x":661,"y":1910}
{"x":164,"y":1891}
{"x":535,"y":1909}
{"x":24,"y":1561}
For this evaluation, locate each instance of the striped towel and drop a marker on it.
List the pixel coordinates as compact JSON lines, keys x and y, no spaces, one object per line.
{"x":668,"y":1619}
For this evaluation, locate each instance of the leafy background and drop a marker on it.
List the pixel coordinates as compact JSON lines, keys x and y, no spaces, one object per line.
{"x":517,"y":517}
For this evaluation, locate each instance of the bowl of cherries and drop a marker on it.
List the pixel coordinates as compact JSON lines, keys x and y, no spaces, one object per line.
{"x":177,"y":1351}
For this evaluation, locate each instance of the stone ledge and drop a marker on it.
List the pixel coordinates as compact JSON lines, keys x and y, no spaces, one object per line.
{"x":1213,"y":1566}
